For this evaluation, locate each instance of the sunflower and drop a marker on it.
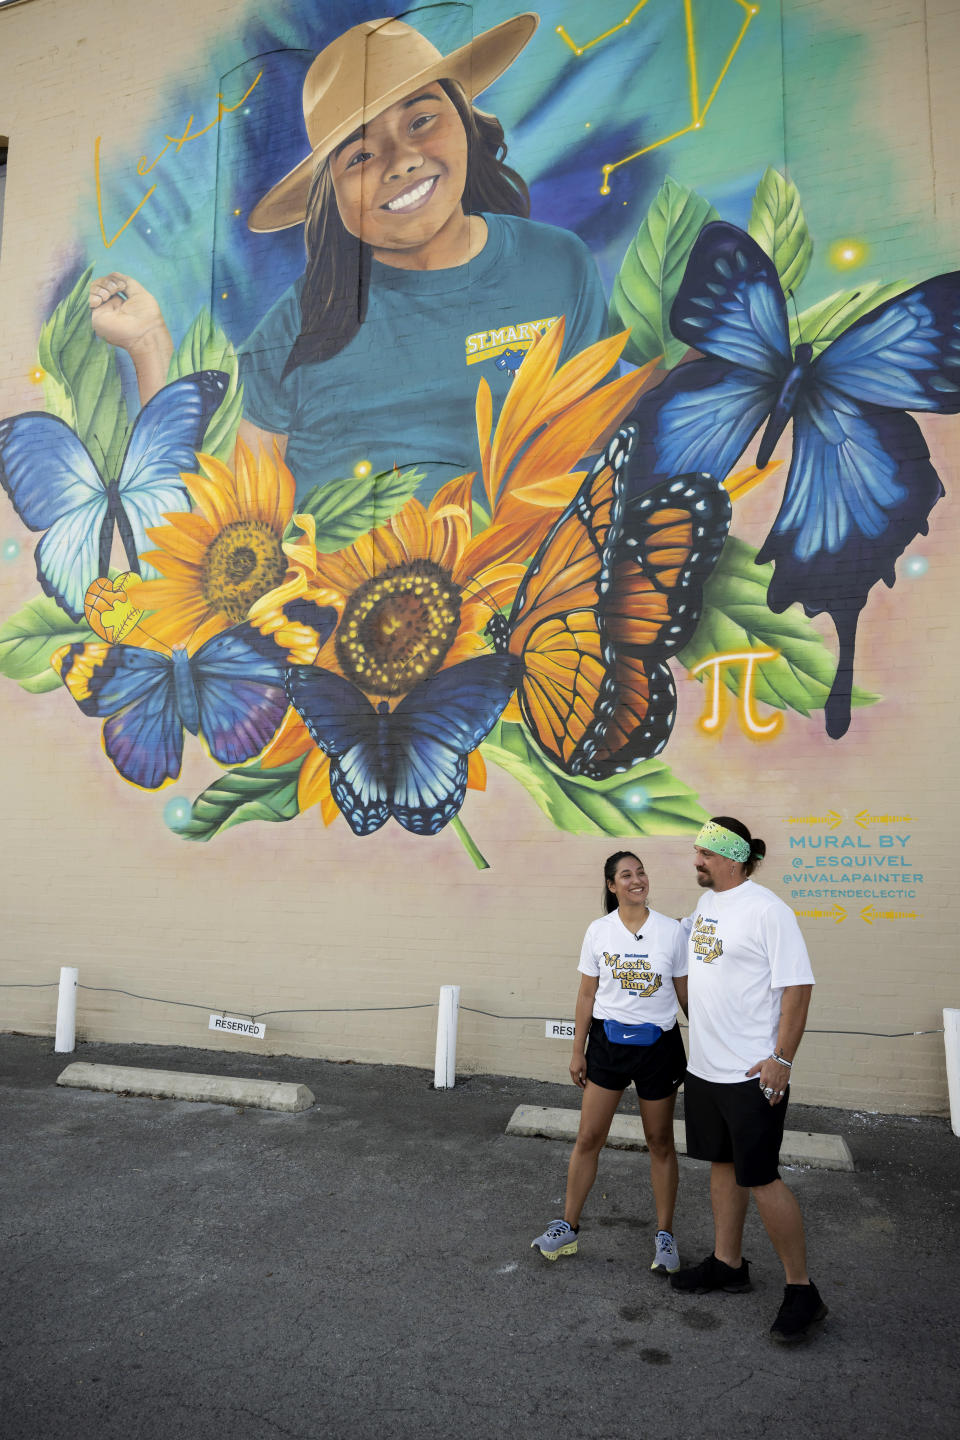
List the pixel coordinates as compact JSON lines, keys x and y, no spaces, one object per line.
{"x":412,"y":598}
{"x":414,"y":595}
{"x":217,"y":560}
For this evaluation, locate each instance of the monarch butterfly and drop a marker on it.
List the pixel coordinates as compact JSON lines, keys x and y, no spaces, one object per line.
{"x":614,"y":590}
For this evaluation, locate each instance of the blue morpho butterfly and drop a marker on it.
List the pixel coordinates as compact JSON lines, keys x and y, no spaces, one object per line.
{"x":861,"y":484}
{"x":55,"y":485}
{"x":230,"y":692}
{"x":410,"y":762}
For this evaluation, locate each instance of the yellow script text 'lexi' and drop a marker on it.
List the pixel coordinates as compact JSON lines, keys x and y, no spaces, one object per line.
{"x":178,"y":141}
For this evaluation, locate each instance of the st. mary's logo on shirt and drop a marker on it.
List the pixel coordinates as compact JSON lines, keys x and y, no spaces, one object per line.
{"x":634,"y":973}
{"x":508,"y":345}
{"x":706,"y":943}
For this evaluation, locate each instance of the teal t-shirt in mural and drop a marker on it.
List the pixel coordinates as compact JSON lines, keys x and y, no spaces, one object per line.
{"x":403,"y":390}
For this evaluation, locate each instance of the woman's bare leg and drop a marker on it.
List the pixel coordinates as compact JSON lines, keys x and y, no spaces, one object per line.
{"x":597,"y":1111}
{"x":657,"y":1119}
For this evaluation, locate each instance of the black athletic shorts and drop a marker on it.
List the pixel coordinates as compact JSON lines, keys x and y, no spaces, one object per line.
{"x":656,"y":1070}
{"x":735,"y":1123}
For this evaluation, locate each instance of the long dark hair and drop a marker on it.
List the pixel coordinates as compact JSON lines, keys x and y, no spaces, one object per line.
{"x":336,"y":282}
{"x":610,"y":900}
{"x":758,"y":848}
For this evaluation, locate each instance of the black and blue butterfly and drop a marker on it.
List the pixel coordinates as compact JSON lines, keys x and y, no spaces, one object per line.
{"x":56,"y":486}
{"x":230,"y":692}
{"x":410,"y":762}
{"x":861,"y":484}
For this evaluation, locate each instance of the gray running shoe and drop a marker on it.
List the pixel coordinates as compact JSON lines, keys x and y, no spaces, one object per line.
{"x":666,"y":1259}
{"x":558,"y":1239}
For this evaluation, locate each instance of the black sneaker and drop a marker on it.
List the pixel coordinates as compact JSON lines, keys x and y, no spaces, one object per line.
{"x":801,"y":1308}
{"x":713,"y":1274}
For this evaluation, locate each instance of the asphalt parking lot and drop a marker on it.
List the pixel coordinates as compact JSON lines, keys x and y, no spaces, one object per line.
{"x":363,"y":1269}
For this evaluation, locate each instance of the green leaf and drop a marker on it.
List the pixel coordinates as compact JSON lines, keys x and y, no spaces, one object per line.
{"x":206,"y":347}
{"x":247,"y":793}
{"x":651,"y":272}
{"x":345,"y":509}
{"x":40,"y":684}
{"x":778,"y":225}
{"x":736,"y":617}
{"x":824,"y":321}
{"x":58,"y":401}
{"x":647,"y":800}
{"x":83,"y":383}
{"x":30,"y":637}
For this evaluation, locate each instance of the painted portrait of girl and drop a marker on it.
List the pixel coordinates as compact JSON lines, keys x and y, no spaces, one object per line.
{"x":423,"y":270}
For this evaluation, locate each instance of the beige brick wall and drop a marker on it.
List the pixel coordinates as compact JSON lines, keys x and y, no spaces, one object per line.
{"x":297,"y":918}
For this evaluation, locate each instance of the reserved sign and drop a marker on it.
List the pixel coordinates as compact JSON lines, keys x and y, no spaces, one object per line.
{"x":233,"y":1025}
{"x":560,"y":1029}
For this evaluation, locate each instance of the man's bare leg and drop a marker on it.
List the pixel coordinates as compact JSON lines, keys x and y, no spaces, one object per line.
{"x":729,"y":1201}
{"x":781,"y":1216}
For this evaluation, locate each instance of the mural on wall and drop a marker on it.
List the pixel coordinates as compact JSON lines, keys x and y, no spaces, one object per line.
{"x":462,"y":489}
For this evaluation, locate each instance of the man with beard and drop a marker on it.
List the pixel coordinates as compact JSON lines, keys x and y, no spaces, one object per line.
{"x":750,"y":985}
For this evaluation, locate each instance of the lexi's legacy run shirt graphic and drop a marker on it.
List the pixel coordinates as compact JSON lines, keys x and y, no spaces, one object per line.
{"x":634,"y":973}
{"x":706,"y":945}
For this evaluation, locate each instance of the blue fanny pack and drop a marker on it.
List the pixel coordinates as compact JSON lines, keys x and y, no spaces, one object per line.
{"x":620,"y":1034}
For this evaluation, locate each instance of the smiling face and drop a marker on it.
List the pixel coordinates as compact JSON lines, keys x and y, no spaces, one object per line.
{"x":630,"y":883}
{"x":399,"y":182}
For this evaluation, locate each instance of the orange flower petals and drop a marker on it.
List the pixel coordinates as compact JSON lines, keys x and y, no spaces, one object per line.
{"x":214,"y":495}
{"x":476,"y":771}
{"x":484,"y":412}
{"x":520,"y":413}
{"x":290,"y":742}
{"x":554,"y":494}
{"x":313,"y":786}
{"x":744,"y":481}
{"x":578,"y":430}
{"x":457,"y":493}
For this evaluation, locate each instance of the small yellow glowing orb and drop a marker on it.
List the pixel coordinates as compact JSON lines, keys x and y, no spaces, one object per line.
{"x":108,"y":610}
{"x":37,"y":374}
{"x":847,"y":254}
{"x":238,"y":212}
{"x":362,"y":469}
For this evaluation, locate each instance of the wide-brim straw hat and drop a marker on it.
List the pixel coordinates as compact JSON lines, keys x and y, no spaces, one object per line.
{"x":364,"y":71}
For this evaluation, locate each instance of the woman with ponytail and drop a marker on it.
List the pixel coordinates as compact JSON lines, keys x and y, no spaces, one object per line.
{"x":632,"y":975}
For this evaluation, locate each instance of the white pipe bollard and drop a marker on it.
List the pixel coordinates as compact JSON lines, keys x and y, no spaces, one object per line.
{"x":445,"y":1065}
{"x":66,"y":1011}
{"x":951,"y":1043}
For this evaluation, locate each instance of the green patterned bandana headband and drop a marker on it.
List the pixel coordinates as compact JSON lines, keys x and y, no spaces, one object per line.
{"x":723,"y":842}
